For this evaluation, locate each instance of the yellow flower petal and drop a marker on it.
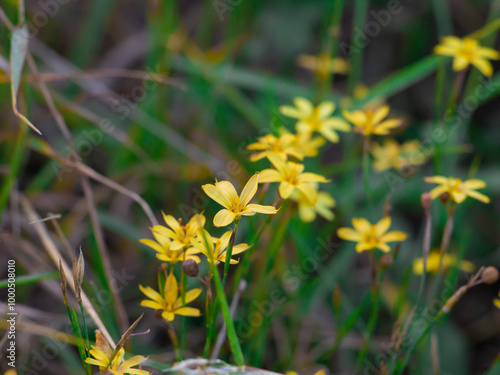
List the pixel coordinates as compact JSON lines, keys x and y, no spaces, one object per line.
{"x":223,"y":218}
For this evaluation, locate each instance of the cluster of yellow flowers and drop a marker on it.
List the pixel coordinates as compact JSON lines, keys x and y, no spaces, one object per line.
{"x":103,"y":358}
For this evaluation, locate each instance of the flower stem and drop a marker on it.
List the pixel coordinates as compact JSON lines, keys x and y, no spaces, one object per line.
{"x":183,"y":299}
{"x":173,"y":338}
{"x":229,"y":251}
{"x":374,"y":312}
{"x":366,"y":171}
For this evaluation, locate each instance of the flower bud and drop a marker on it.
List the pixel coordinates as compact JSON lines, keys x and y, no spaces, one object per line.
{"x":489,"y":275}
{"x":444,"y":198}
{"x":386,"y":261}
{"x":190,"y":268}
{"x":425,"y":201}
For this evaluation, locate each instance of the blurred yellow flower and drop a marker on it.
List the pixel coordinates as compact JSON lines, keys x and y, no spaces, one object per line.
{"x":170,"y":302}
{"x":496,"y":301}
{"x":457,"y":189}
{"x":307,"y":144}
{"x":223,"y":192}
{"x":371,"y":236}
{"x":323,"y":64}
{"x":316,"y":119}
{"x":10,"y":372}
{"x":291,"y":176}
{"x":391,"y":154}
{"x":118,"y":366}
{"x":215,"y":248}
{"x":368,"y":121}
{"x":283,"y":146}
{"x":308,"y":211}
{"x":467,"y":52}
{"x":162,"y":246}
{"x":433,"y":260}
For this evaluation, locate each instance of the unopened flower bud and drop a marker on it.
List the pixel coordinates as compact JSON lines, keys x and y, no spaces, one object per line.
{"x":489,"y":275}
{"x":444,"y":198}
{"x":426,"y":200}
{"x":386,"y":261}
{"x":190,"y":268}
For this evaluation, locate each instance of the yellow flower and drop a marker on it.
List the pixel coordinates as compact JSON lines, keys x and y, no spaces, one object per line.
{"x":170,"y":302}
{"x":308,"y":211}
{"x":368,"y":121}
{"x":10,"y":372}
{"x":433,"y":260}
{"x":223,"y":192}
{"x":308,"y":145}
{"x":118,"y":366}
{"x":162,"y":246}
{"x":371,"y":236}
{"x":180,"y":234}
{"x":283,"y":146}
{"x":215,"y":248}
{"x":457,"y":189}
{"x":496,"y":301}
{"x":316,"y":119}
{"x":467,"y":51}
{"x":323,"y":64}
{"x":391,"y":154}
{"x":291,"y":176}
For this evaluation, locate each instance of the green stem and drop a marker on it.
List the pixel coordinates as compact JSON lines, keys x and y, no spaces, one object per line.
{"x":356,"y":53}
{"x":183,"y":299}
{"x":374,"y":312}
{"x":229,"y":251}
{"x":226,"y":314}
{"x":366,"y":172}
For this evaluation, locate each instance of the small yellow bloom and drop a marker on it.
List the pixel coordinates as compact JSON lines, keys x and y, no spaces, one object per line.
{"x":170,"y":302}
{"x":10,"y":372}
{"x":291,"y":176}
{"x":371,"y":236}
{"x":433,"y":260}
{"x":223,"y":192}
{"x":308,"y":145}
{"x":178,"y":233}
{"x":162,"y":246}
{"x":118,"y":366}
{"x":467,"y":52}
{"x":283,"y":146}
{"x":496,"y":301}
{"x":323,"y":64}
{"x":391,"y":154}
{"x":368,"y":121}
{"x":215,"y":248}
{"x":308,"y":211}
{"x":457,"y":189}
{"x":316,"y":119}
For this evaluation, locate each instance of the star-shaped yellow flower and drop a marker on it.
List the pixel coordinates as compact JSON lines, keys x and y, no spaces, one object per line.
{"x":316,"y":119}
{"x":215,"y":248}
{"x":467,"y":52}
{"x":370,"y":121}
{"x":224,"y":193}
{"x":283,"y":146}
{"x":101,"y":353}
{"x":371,"y":236}
{"x":178,"y":233}
{"x":308,"y":211}
{"x":433,"y":260}
{"x":308,"y":145}
{"x":391,"y":154}
{"x":163,"y":247}
{"x":291,"y":176}
{"x":457,"y":189}
{"x":170,"y":302}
